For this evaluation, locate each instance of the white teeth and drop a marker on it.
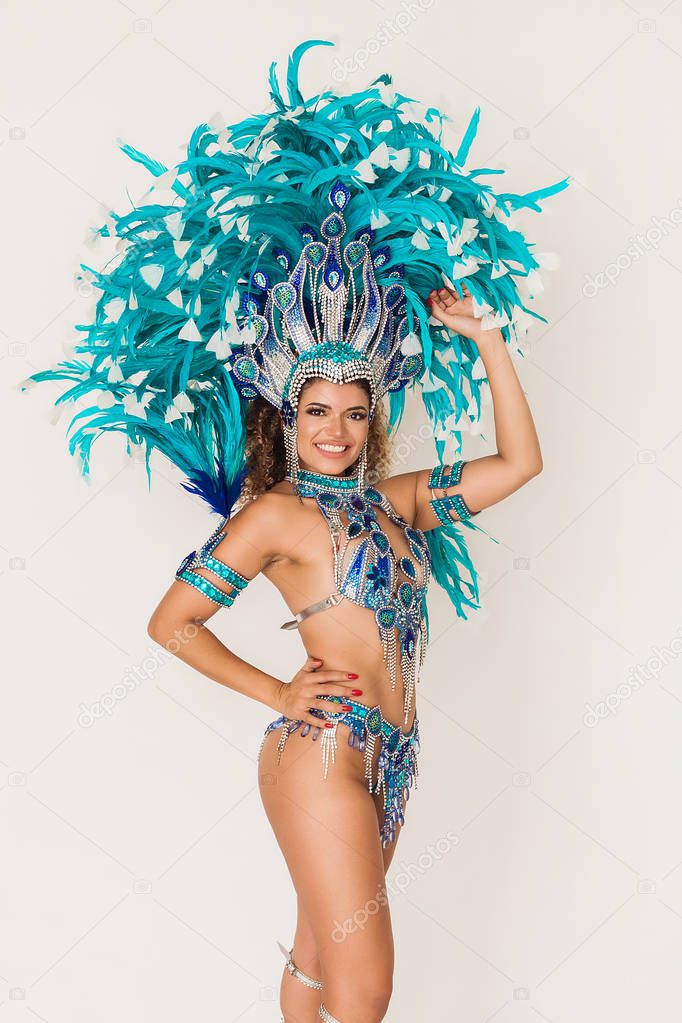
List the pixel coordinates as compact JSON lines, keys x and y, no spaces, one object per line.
{"x":331,"y":447}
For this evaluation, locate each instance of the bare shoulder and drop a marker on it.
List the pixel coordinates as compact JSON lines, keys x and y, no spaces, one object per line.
{"x":259,"y":520}
{"x":268,"y":511}
{"x":271,"y":521}
{"x":401,"y":492}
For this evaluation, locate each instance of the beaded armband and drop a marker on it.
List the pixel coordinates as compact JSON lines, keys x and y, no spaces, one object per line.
{"x":203,"y":558}
{"x":441,"y":477}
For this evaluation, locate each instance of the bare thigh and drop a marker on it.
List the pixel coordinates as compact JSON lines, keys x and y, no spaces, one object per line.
{"x":329,"y":836}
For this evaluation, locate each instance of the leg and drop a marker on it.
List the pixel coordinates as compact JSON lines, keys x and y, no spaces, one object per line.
{"x":301,"y":984}
{"x":328,"y":833}
{"x":304,"y":955}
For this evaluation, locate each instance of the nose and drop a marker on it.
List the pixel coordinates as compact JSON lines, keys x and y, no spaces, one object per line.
{"x":336,"y":429}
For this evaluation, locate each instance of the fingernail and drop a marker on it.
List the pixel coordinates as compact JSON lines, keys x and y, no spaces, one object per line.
{"x":329,"y":724}
{"x":352,"y":675}
{"x":356,"y":692}
{"x":345,"y":706}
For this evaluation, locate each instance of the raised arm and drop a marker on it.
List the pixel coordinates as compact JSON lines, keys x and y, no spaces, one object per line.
{"x":458,"y":491}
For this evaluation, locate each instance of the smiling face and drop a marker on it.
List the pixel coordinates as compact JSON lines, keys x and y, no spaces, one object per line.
{"x":332,"y":425}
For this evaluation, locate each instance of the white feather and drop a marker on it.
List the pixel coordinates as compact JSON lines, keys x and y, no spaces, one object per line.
{"x":182,"y":402}
{"x":494,"y":320}
{"x":196,"y":269}
{"x":479,"y":307}
{"x":400,"y":158}
{"x":138,"y":377}
{"x":364,"y":169}
{"x":386,"y":93}
{"x":530,"y":286}
{"x":174,"y":225}
{"x":190,"y":332}
{"x":411,"y":344}
{"x":420,"y":240}
{"x":219,"y":345}
{"x":152,"y":274}
{"x":466,"y":268}
{"x":429,"y":382}
{"x":106,"y":399}
{"x":478,"y":369}
{"x":114,"y":309}
{"x":172,"y":414}
{"x":380,"y":156}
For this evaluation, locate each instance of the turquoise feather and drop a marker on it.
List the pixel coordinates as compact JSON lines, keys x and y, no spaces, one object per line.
{"x":452,"y":565}
{"x":240,"y":195}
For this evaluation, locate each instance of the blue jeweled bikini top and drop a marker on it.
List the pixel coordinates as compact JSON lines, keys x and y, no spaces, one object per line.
{"x":368,"y":572}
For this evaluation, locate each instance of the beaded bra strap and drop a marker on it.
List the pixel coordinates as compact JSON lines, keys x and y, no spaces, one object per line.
{"x":441,"y":477}
{"x":204,"y":558}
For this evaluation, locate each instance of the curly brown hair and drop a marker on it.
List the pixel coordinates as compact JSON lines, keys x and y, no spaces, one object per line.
{"x":264,"y":448}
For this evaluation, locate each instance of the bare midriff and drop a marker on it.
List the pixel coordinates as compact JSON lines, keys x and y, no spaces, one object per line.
{"x":345,"y":637}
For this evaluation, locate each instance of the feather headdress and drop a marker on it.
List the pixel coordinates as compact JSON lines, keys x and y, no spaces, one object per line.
{"x":181,"y":298}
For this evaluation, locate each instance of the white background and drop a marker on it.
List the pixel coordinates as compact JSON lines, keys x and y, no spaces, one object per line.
{"x":142,"y":881}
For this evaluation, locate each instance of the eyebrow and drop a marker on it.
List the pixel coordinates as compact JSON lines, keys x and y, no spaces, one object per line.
{"x":351,"y":408}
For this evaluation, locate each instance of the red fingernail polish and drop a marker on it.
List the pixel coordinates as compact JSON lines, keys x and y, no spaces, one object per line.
{"x":356,"y":692}
{"x":346,"y":707}
{"x":352,"y":675}
{"x":329,"y":724}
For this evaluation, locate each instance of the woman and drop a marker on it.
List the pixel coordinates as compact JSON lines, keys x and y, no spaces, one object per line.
{"x":268,"y":359}
{"x":330,"y":829}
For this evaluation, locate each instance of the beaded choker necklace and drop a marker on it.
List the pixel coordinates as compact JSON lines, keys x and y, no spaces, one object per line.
{"x":311,"y":483}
